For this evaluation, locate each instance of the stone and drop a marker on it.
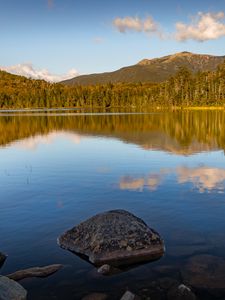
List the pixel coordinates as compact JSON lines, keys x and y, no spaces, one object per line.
{"x":108,"y":270}
{"x":205,"y":272}
{"x":128,"y":296}
{"x":104,"y":270}
{"x":11,"y":290}
{"x":95,"y":296}
{"x":182,"y":292}
{"x":2,"y":258}
{"x":35,"y":272}
{"x":115,"y":238}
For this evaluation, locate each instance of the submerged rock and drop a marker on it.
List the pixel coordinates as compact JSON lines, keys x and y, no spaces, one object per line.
{"x":115,"y":238}
{"x":11,"y":290}
{"x":182,"y":292}
{"x":2,"y":259}
{"x":105,"y":269}
{"x":128,"y":296}
{"x":109,"y":270}
{"x":95,"y":296}
{"x":205,"y":272}
{"x":35,"y":272}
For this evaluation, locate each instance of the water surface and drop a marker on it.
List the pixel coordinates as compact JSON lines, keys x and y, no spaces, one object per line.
{"x":56,"y":170}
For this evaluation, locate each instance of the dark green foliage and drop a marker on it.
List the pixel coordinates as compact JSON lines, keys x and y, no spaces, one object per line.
{"x":183,"y":89}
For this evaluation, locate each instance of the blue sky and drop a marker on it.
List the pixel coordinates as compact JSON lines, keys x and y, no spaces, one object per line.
{"x":83,"y":35}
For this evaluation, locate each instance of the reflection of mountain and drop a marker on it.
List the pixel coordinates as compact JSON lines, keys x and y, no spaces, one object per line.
{"x":178,"y":132}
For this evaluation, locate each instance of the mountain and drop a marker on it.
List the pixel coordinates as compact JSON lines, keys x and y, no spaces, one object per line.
{"x":152,"y":70}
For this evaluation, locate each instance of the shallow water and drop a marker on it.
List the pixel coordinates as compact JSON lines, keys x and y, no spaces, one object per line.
{"x":57,"y":170}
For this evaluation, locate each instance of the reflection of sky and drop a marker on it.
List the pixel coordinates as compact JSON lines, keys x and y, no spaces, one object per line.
{"x":151,"y":182}
{"x":203,"y":178}
{"x":157,"y":166}
{"x":61,"y":183}
{"x":33,"y":142}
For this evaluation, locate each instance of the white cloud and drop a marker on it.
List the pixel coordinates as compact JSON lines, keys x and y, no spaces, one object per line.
{"x":147,"y":25}
{"x":28,"y":70}
{"x":205,"y":26}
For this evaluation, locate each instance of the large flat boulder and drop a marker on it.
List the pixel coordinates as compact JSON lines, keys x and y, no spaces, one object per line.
{"x":115,"y":237}
{"x":11,"y":290}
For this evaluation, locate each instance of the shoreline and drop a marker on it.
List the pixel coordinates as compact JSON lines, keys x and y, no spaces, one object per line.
{"x":142,"y":109}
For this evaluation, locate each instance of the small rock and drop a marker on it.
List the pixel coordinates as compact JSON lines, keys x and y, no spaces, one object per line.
{"x":108,"y":270}
{"x":183,"y":289}
{"x":116,"y":238}
{"x":128,"y":296}
{"x":2,"y":258}
{"x":182,"y":292}
{"x":35,"y":272}
{"x":11,"y":290}
{"x":104,"y":270}
{"x":95,"y":296}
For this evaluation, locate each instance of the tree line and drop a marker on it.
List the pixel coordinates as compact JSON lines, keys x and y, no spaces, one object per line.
{"x":182,"y":89}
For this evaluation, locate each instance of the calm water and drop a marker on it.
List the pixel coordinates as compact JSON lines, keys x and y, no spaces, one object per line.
{"x":59,"y":169}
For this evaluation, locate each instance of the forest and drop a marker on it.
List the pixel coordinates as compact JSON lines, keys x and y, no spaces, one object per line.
{"x":184,"y":89}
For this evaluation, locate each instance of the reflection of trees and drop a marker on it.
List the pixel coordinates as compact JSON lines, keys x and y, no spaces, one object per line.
{"x":184,"y":132}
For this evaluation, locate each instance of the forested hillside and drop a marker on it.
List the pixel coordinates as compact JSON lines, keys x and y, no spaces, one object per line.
{"x":152,"y":70}
{"x":183,"y":89}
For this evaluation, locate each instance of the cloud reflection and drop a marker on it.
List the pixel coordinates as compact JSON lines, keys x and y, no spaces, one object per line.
{"x":32,"y":143}
{"x":203,"y":178}
{"x":150,"y":182}
{"x":132,"y":184}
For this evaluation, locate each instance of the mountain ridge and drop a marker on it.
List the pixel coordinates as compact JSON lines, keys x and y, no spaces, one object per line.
{"x":151,"y":70}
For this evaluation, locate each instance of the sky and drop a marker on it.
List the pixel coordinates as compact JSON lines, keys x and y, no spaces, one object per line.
{"x":60,"y":39}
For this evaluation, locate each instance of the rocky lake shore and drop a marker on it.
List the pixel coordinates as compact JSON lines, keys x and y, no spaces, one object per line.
{"x":112,"y":242}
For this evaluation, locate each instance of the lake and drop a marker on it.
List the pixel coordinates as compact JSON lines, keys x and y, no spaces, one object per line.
{"x":58,"y":169}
